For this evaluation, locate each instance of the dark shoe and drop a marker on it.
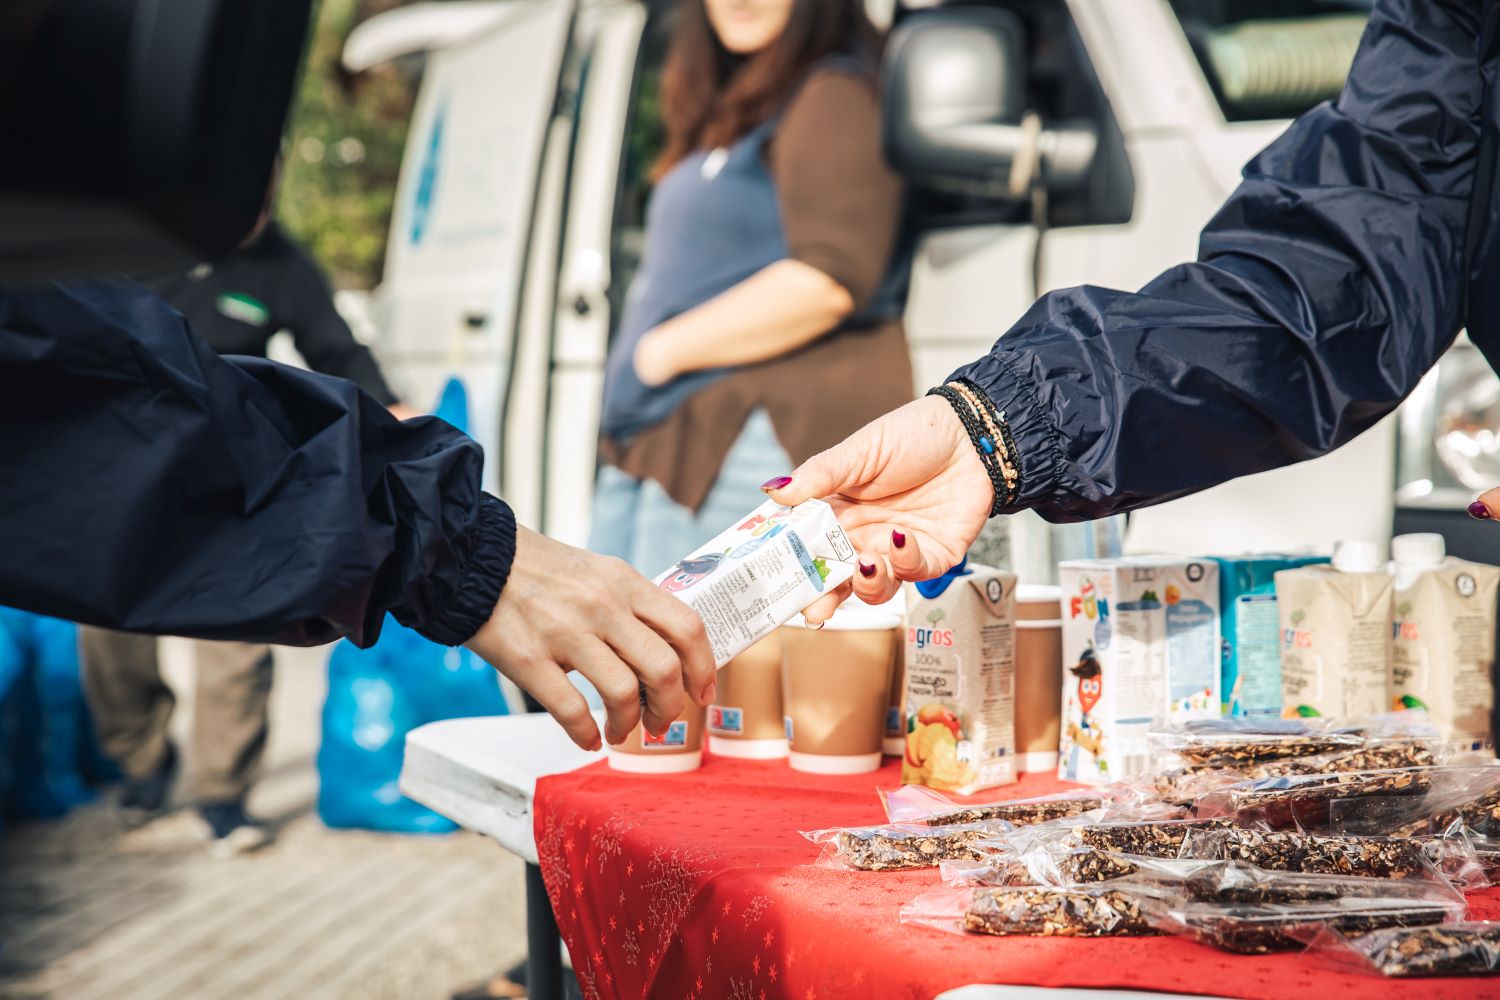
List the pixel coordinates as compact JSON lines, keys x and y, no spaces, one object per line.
{"x":228,"y":830}
{"x":147,"y":796}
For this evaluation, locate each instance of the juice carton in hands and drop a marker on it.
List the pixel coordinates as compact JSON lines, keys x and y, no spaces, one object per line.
{"x":754,"y":577}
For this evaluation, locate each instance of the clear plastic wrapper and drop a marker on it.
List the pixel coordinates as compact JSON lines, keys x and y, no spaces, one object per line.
{"x":901,"y":846}
{"x":1391,"y":802}
{"x":1046,"y":911}
{"x":1238,"y":742}
{"x":1180,"y":782}
{"x":1066,"y":854}
{"x":1465,"y":948}
{"x":1377,"y":800}
{"x":1251,"y":928}
{"x":1356,"y":856}
{"x":920,"y":804}
{"x":1462,"y":796}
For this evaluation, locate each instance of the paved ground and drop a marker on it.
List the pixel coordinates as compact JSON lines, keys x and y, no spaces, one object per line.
{"x":90,"y":908}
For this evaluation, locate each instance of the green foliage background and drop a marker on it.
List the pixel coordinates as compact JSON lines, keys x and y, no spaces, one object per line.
{"x":343,"y":150}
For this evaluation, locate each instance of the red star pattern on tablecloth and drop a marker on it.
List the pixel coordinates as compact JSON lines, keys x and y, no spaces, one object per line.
{"x":787,"y":959}
{"x":715,"y":934}
{"x":756,"y":965}
{"x":613,"y":924}
{"x":629,"y":868}
{"x":726,"y":907}
{"x":767,"y":939}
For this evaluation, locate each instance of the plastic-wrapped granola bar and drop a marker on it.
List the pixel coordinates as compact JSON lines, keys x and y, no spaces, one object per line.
{"x":920,"y":804}
{"x":1250,"y":928}
{"x":1239,"y":742}
{"x":899,"y":846}
{"x":1304,"y":801}
{"x":1179,"y":782}
{"x":1047,"y":911}
{"x":1360,"y":857}
{"x":1466,"y":948}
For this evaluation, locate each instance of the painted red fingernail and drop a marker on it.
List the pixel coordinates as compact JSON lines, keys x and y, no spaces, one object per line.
{"x":898,"y":539}
{"x":779,"y":483}
{"x":866,"y":569}
{"x":1478,"y":510}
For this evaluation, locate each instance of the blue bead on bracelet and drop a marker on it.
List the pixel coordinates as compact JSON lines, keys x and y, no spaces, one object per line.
{"x":987,"y":445}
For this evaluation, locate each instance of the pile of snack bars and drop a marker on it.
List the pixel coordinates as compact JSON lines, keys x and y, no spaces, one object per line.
{"x":1355,"y":838}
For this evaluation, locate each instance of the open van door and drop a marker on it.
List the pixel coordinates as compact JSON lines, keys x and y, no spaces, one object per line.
{"x":449,"y":304}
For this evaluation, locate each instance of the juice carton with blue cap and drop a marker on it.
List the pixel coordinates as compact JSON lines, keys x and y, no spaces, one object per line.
{"x":753,"y":577}
{"x":1140,"y":642}
{"x":961,"y":680}
{"x":1251,"y":672}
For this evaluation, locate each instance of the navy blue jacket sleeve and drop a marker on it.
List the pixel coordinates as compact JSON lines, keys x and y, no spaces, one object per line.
{"x":152,"y":486}
{"x":1330,"y":281}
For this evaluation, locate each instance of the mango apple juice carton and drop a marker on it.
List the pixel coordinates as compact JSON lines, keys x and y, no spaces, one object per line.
{"x":1250,"y":677}
{"x":1443,"y":640}
{"x":961,"y":680}
{"x":1140,"y":642}
{"x":1336,"y":634}
{"x":754,"y":577}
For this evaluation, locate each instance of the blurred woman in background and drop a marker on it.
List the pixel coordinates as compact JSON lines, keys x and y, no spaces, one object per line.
{"x":764,"y":324}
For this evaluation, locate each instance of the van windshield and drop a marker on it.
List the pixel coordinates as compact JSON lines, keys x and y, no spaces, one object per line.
{"x":1270,"y":59}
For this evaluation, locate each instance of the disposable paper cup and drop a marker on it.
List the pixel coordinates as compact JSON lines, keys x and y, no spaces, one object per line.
{"x":1039,"y":674}
{"x":679,"y":749}
{"x":746,"y":718}
{"x":836,"y":684}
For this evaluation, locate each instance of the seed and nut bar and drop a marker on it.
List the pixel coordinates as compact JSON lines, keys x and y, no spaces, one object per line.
{"x":1362,"y":857}
{"x":876,"y":849}
{"x":1053,"y":912}
{"x":1183,"y":784}
{"x":1156,"y":839}
{"x":1022,"y":813}
{"x":1257,"y":928}
{"x":1462,"y":949}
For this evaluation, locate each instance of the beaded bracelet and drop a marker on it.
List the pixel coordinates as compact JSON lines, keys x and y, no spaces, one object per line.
{"x":990,"y":434}
{"x":998,"y":430}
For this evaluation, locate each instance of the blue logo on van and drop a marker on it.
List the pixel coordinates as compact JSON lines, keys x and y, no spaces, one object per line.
{"x":421,"y":208}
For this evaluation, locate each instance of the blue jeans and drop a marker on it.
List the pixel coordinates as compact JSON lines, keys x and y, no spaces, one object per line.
{"x":636,"y":520}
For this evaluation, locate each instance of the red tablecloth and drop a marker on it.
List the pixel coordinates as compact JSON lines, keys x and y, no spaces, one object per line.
{"x":698,"y":885}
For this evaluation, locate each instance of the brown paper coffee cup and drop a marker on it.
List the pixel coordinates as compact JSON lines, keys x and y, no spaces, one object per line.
{"x":1038,"y":676}
{"x":836,"y":684}
{"x":680,"y":748}
{"x":746,"y":719}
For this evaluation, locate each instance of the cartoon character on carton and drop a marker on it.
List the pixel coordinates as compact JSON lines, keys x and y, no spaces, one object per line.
{"x":931,"y":759}
{"x":1086,"y":733}
{"x":690,"y":571}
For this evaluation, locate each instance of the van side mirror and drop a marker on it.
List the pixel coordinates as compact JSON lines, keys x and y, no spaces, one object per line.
{"x":954,"y":100}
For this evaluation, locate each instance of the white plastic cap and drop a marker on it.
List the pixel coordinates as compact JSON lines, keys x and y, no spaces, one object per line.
{"x":1357,"y":555}
{"x":1423,"y":549}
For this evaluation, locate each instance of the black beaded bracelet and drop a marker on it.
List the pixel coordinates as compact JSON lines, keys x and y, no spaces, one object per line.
{"x":986,"y":447}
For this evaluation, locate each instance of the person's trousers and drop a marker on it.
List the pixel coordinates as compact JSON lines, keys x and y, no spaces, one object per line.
{"x":132,"y":708}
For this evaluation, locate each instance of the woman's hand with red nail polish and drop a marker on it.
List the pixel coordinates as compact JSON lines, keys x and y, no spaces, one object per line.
{"x":1486,"y":506}
{"x":914,"y":475}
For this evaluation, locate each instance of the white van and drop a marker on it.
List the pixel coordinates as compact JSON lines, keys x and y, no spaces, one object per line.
{"x":518,"y":219}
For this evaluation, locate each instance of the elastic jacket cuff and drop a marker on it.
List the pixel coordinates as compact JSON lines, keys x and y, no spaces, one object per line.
{"x":485,"y":555}
{"x":1015,"y":396}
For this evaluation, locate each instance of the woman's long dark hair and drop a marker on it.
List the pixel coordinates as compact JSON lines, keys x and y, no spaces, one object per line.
{"x":711,"y":96}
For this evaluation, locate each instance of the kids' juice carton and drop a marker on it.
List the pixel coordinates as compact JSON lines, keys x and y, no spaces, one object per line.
{"x":1251,"y":672}
{"x":961,"y":680}
{"x":1140,"y":642}
{"x":754,"y":577}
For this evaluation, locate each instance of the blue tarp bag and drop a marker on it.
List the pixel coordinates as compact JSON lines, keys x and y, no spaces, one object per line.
{"x":377,"y":695}
{"x":49,"y":760}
